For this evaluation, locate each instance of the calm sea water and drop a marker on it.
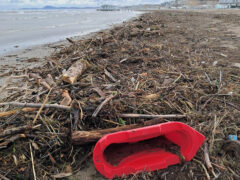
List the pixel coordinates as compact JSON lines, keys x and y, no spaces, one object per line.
{"x":27,"y":28}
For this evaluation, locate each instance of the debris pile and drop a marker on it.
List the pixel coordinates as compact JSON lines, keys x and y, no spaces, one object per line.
{"x":157,"y":66}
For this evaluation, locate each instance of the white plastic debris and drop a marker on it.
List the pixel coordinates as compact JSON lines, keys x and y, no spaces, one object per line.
{"x":215,"y":63}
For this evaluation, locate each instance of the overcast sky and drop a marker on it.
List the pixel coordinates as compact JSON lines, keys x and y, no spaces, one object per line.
{"x":37,"y":3}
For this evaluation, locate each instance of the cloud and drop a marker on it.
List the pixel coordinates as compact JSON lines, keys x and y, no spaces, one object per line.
{"x":37,"y":3}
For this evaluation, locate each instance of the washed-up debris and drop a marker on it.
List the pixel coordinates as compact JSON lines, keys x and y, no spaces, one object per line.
{"x":232,"y":147}
{"x":75,"y":71}
{"x":233,"y":137}
{"x":236,"y":65}
{"x":146,"y":149}
{"x":122,"y":79}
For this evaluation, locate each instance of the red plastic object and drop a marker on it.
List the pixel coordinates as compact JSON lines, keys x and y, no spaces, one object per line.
{"x":143,"y":149}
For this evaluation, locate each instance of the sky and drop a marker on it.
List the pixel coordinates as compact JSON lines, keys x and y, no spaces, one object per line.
{"x":40,"y":3}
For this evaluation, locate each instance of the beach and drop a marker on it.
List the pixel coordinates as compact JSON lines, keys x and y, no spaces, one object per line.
{"x":167,"y":62}
{"x":25,"y":28}
{"x":28,"y":36}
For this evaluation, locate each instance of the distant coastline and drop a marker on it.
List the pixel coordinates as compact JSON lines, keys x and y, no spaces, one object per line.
{"x":56,"y":8}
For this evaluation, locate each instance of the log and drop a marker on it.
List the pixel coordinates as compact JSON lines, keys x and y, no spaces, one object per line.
{"x":85,"y":137}
{"x":75,"y":71}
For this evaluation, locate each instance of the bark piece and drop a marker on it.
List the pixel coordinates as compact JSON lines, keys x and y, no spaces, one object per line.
{"x":66,"y":98}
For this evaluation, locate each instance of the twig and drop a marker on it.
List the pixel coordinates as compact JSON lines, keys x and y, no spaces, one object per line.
{"x":213,"y":133}
{"x":12,"y":112}
{"x":41,"y":108}
{"x":204,"y":168}
{"x":123,"y":60}
{"x":17,"y":130}
{"x":10,"y":140}
{"x":39,"y":80}
{"x":230,"y":104}
{"x":8,"y":81}
{"x":70,"y":40}
{"x":151,"y":116}
{"x":209,"y":80}
{"x":61,"y":175}
{"x":3,"y":177}
{"x":32,"y":160}
{"x":234,"y":174}
{"x":207,"y":160}
{"x":108,"y":74}
{"x":100,"y":92}
{"x":101,"y":105}
{"x":36,"y":105}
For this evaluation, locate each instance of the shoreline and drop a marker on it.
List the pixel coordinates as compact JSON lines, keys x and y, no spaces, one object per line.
{"x":34,"y":56}
{"x":51,"y":27}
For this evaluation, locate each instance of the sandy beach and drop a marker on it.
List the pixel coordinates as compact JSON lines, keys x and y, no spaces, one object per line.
{"x":177,"y":62}
{"x":31,"y":52}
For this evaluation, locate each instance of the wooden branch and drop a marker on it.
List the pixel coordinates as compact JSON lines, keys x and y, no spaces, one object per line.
{"x":11,"y":139}
{"x":75,"y":71}
{"x":39,"y":80}
{"x":50,"y":81}
{"x":151,"y":116}
{"x":16,"y":130}
{"x":12,"y":112}
{"x":100,"y":92}
{"x":9,"y":80}
{"x":70,"y":40}
{"x":84,"y":137}
{"x":101,"y":105}
{"x":36,"y":105}
{"x":109,"y":75}
{"x":41,"y":108}
{"x":3,"y":177}
{"x":32,"y":160}
{"x":206,"y":157}
{"x":207,"y":160}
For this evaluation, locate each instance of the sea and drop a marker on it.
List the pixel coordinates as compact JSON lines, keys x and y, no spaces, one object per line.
{"x":21,"y":29}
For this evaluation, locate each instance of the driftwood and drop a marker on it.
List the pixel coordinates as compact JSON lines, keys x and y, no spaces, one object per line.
{"x":84,"y":137}
{"x":36,"y":105}
{"x":39,"y":80}
{"x":101,"y":105}
{"x":109,"y":75}
{"x":9,"y":80}
{"x":16,"y":130}
{"x":152,"y":116}
{"x":12,"y":112}
{"x":75,"y":71}
{"x":70,"y":40}
{"x":50,"y":81}
{"x":66,"y":98}
{"x":207,"y":160}
{"x":11,"y":139}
